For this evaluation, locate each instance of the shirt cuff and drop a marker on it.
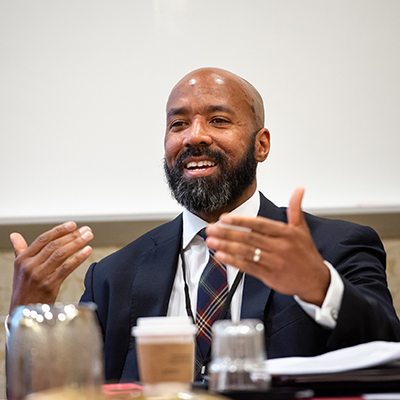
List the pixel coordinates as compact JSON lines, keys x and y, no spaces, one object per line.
{"x":328,"y":313}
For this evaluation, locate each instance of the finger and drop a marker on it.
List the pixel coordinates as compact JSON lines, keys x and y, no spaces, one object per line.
{"x":237,"y":249}
{"x":245,"y":252}
{"x":219,"y":238}
{"x":19,"y":243}
{"x":73,"y":263}
{"x":256,"y":269}
{"x":229,"y":232}
{"x":46,"y":237}
{"x":294,"y":211}
{"x":58,"y":251}
{"x":258,"y":224}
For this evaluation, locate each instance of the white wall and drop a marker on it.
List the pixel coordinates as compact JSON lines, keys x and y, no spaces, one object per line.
{"x":83,"y":85}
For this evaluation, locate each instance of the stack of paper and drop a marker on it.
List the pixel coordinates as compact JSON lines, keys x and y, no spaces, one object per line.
{"x":361,"y":356}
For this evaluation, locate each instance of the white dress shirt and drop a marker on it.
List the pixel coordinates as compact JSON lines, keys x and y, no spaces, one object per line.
{"x":196,"y":257}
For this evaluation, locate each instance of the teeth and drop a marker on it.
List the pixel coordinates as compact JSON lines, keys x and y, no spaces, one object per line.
{"x":200,"y":164}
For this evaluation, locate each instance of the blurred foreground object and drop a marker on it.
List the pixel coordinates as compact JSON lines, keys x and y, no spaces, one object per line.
{"x":53,"y":346}
{"x":76,"y":394}
{"x":238,"y":357}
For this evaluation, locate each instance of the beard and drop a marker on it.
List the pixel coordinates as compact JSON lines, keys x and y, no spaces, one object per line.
{"x":216,"y":191}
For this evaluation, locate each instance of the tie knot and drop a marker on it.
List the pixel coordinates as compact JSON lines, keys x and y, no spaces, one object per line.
{"x":202,"y":233}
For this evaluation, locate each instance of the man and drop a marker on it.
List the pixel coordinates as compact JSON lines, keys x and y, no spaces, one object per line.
{"x":318,"y":285}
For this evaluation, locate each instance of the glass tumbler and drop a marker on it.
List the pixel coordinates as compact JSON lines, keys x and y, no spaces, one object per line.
{"x":53,"y":346}
{"x":238,"y":357}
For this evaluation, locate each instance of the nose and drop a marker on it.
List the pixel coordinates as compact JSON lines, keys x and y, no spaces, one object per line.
{"x":197,"y":134}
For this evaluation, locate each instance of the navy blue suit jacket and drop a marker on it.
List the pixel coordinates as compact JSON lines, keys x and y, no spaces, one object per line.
{"x":137,"y":281}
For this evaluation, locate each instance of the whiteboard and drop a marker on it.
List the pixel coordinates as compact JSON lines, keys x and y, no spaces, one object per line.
{"x":83,"y":87}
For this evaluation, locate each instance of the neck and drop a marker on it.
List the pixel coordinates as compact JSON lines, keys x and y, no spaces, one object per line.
{"x":212,"y":217}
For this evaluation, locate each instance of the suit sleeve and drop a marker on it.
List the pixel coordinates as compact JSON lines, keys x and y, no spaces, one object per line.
{"x":87,"y":295}
{"x":366,"y":312}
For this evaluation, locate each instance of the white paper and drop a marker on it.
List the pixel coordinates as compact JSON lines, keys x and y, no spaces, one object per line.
{"x":361,"y":356}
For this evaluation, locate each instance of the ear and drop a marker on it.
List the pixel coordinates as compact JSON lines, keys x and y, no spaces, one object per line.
{"x":262,"y":144}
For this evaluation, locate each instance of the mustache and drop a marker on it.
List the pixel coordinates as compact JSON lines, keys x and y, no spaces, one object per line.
{"x":216,"y":155}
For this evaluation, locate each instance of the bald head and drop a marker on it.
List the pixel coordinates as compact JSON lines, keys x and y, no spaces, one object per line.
{"x":215,"y":80}
{"x":214,"y":139}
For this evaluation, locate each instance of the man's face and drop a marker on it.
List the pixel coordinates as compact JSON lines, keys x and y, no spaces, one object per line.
{"x":209,"y":142}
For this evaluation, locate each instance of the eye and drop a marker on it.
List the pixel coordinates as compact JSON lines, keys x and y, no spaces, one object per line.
{"x":177,"y":124}
{"x":219,"y":120}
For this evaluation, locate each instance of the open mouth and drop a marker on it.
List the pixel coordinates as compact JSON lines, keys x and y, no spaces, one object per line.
{"x":200,"y":165}
{"x":198,"y":169}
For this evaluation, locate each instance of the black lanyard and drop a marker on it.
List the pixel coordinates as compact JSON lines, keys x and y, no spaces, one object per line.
{"x":225,"y":308}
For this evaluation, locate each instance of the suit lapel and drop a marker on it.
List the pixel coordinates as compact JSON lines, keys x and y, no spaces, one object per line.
{"x":156,"y":272}
{"x":255,"y":293}
{"x":154,"y":280}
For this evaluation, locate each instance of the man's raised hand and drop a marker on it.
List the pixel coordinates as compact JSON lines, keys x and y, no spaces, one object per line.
{"x":287,"y":259}
{"x":40,"y":269}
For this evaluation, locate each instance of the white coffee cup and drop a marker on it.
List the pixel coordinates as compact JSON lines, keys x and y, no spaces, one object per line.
{"x":165,"y":348}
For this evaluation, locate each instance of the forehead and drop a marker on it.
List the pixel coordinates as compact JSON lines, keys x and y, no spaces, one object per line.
{"x":202,"y":90}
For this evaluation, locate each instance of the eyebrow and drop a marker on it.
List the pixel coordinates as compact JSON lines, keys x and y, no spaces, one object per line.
{"x":221,"y":108}
{"x":178,"y":111}
{"x":209,"y":109}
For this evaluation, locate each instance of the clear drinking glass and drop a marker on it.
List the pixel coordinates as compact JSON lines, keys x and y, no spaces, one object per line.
{"x":238,"y":357}
{"x":53,"y":346}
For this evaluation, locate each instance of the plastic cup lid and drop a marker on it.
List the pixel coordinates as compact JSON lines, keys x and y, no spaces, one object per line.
{"x":164,"y":326}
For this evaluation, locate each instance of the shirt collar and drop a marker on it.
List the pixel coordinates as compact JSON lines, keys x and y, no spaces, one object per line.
{"x":192,"y":223}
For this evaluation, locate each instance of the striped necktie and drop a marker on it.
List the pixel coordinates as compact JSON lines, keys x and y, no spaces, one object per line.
{"x":211,"y":296}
